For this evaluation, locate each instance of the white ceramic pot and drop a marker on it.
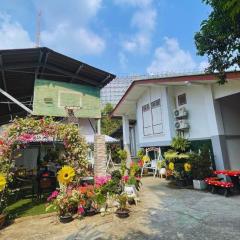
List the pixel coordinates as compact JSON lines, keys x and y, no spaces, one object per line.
{"x":199,"y":184}
{"x":162,"y":171}
{"x":130,"y":190}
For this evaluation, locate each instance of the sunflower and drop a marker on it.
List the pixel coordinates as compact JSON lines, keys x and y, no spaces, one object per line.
{"x":171,"y":166}
{"x":65,"y":175}
{"x":187,"y":167}
{"x":145,"y":159}
{"x":3,"y":182}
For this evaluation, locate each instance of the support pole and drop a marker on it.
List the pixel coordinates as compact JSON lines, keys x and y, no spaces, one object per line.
{"x":16,"y":101}
{"x":126,"y":137}
{"x":99,"y":126}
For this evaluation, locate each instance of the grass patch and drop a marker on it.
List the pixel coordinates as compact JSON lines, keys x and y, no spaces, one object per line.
{"x":26,"y":207}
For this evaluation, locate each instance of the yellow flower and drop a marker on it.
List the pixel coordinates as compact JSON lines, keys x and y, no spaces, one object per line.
{"x":145,"y":159}
{"x":171,"y":166}
{"x":187,"y":167}
{"x":3,"y":182}
{"x":65,"y":175}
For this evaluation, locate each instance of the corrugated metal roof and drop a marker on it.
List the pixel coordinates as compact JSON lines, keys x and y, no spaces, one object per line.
{"x":20,"y":67}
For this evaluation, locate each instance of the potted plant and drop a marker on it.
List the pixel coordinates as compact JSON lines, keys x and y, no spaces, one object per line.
{"x":122,"y":211}
{"x":66,"y":199}
{"x":162,"y":167}
{"x":177,"y":157}
{"x":200,"y":168}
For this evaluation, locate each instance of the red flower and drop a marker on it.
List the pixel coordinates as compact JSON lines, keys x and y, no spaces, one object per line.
{"x":80,"y":210}
{"x":140,"y":163}
{"x":125,"y":178}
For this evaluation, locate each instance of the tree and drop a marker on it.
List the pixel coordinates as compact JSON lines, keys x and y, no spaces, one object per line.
{"x":219,"y":37}
{"x":108,"y":124}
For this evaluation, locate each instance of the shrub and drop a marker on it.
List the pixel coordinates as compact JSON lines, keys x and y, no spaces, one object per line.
{"x":200,"y":165}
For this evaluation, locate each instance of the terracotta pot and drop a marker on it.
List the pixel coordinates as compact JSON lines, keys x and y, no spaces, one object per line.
{"x":122,"y":213}
{"x":2,"y":219}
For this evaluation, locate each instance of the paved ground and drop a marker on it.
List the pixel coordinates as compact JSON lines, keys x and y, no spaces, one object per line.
{"x":164,"y":213}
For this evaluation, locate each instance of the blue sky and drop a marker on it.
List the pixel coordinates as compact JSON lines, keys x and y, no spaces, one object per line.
{"x":124,"y":37}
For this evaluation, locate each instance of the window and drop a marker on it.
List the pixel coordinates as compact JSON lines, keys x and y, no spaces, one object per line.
{"x":157,"y":120}
{"x":152,"y":118}
{"x":155,"y":103}
{"x":145,"y":108}
{"x":182,"y":99}
{"x":147,"y":120}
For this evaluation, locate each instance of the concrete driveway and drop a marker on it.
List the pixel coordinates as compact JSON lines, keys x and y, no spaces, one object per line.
{"x":164,"y":213}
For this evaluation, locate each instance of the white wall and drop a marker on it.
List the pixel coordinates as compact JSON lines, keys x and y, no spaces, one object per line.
{"x":85,"y":126}
{"x":150,"y":94}
{"x":201,"y":110}
{"x":229,"y":88}
{"x":231,"y":122}
{"x":231,"y":114}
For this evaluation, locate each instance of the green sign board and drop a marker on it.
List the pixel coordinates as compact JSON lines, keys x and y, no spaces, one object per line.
{"x":52,"y":98}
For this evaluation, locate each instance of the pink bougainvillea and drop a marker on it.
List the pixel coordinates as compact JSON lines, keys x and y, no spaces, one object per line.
{"x":26,"y":137}
{"x":101,"y":180}
{"x":53,"y":195}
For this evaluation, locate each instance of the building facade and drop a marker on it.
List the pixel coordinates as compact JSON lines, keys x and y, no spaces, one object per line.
{"x":195,"y":106}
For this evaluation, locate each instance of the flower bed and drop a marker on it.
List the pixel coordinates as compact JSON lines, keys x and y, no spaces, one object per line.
{"x":107,"y":194}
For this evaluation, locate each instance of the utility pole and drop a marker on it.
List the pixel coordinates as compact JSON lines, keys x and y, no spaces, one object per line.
{"x":38,"y":29}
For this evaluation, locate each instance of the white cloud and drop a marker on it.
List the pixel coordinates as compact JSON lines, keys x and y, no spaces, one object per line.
{"x":69,"y":31}
{"x":76,"y":12}
{"x":12,"y":34}
{"x":144,"y":21}
{"x":138,"y":3}
{"x":139,"y":42}
{"x":73,"y":40}
{"x":171,"y":58}
{"x":203,"y":65}
{"x":123,"y":60}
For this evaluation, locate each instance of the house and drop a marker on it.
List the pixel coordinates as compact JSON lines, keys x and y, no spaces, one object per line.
{"x":43,"y":82}
{"x":195,"y":106}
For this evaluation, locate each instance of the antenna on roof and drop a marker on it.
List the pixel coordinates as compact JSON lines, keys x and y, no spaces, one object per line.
{"x":38,"y":29}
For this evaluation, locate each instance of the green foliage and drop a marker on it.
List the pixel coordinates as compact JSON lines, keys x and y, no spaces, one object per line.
{"x":140,"y":153}
{"x":218,"y":37}
{"x":201,"y":165}
{"x":122,"y":199}
{"x":180,"y":144}
{"x":179,"y":156}
{"x":162,"y":164}
{"x":20,"y":133}
{"x":112,"y":187}
{"x":116,"y":175}
{"x":108,"y":124}
{"x":123,"y":156}
{"x":170,"y":155}
{"x":114,"y":148}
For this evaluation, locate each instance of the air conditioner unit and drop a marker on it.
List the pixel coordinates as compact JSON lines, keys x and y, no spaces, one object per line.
{"x":180,"y":112}
{"x":181,"y":124}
